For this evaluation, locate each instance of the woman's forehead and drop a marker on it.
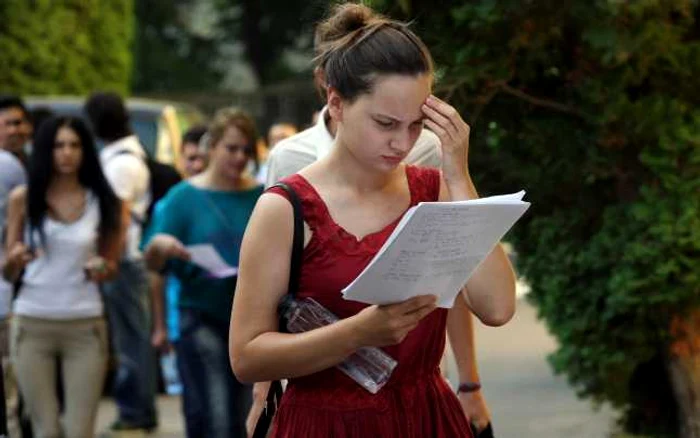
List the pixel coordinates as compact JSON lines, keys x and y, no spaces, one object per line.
{"x":234,"y":134}
{"x":66,"y":131}
{"x":400,"y":96}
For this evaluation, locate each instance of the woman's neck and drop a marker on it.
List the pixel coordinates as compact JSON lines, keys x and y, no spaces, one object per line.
{"x":215,"y":181}
{"x":348,"y":171}
{"x":67,"y":183}
{"x":331,"y":124}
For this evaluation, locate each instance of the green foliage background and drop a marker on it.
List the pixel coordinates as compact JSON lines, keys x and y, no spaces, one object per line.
{"x":65,"y":47}
{"x":190,"y":60}
{"x":594,"y":108}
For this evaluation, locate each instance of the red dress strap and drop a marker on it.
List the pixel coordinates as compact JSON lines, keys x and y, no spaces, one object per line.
{"x":314,"y":211}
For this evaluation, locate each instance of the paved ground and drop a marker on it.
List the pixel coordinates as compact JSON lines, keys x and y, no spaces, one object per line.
{"x":171,"y":425}
{"x":526,"y":400}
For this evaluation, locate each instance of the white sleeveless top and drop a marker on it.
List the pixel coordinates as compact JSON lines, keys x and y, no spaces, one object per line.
{"x":54,"y":285}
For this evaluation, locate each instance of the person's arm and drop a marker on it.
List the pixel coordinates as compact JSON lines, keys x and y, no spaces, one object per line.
{"x":159,"y":337}
{"x":162,"y":248}
{"x":490,"y":292}
{"x":105,"y":266}
{"x":260,"y":390}
{"x":258,"y":351}
{"x":169,"y":225}
{"x":169,"y":220}
{"x":460,"y":322}
{"x":460,"y":330}
{"x":18,"y":254}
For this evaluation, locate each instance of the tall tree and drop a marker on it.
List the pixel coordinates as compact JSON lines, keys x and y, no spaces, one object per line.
{"x":268,"y":28}
{"x":190,"y":58}
{"x":169,"y":54}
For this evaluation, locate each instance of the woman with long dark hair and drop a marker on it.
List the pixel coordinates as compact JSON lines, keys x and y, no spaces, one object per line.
{"x":65,"y":235}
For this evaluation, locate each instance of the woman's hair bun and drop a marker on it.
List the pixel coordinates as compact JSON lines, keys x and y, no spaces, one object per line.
{"x":354,"y":44}
{"x":344,"y":19}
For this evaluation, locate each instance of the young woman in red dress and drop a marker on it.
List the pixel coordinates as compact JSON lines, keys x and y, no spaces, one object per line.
{"x":378,"y":76}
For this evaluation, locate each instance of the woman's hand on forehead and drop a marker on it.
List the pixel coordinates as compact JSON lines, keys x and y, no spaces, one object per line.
{"x":446,"y":122}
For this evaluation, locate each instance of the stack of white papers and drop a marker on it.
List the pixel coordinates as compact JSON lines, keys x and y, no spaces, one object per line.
{"x":435,"y":248}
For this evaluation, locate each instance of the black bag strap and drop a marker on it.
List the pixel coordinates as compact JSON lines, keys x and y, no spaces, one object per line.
{"x":274,"y":395}
{"x":297,"y":240}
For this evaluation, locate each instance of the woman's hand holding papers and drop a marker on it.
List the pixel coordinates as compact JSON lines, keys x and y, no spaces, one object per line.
{"x":379,"y":326}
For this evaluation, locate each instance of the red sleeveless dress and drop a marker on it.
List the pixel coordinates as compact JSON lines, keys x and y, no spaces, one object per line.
{"x":417,"y":401}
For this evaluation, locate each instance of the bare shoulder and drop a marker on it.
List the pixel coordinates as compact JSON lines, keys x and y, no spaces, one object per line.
{"x":17,"y":202}
{"x":314,"y":172}
{"x":273,"y":208}
{"x":18,"y":195}
{"x":268,"y":235}
{"x":272,"y":217}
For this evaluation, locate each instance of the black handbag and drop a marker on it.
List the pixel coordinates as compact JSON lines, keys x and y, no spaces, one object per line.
{"x":274,"y":395}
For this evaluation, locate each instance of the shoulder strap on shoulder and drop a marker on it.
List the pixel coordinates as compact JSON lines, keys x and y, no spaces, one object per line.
{"x":298,"y":239}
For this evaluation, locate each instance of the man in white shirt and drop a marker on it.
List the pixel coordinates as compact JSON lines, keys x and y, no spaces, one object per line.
{"x":127,"y":297}
{"x":298,"y":151}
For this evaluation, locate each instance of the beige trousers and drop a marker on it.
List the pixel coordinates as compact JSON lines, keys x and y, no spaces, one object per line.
{"x":81,"y":346}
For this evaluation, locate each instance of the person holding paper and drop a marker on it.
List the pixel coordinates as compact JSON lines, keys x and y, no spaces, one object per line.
{"x":209,"y":213}
{"x":378,"y":76}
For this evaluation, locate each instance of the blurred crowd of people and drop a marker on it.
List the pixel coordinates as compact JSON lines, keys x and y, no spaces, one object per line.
{"x":77,"y":299}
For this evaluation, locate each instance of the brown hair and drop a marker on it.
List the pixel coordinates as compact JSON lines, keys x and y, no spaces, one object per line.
{"x":354,"y":44}
{"x":228,"y":117}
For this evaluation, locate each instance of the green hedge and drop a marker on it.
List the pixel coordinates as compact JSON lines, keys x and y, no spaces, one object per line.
{"x":66,"y":47}
{"x":593,"y":107}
